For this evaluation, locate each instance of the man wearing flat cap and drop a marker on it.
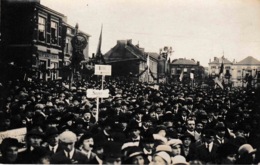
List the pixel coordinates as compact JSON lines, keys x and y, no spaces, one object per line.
{"x":69,"y":154}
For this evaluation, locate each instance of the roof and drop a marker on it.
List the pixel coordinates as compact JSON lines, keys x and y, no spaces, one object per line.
{"x":153,"y":55}
{"x":124,"y":50}
{"x":248,"y":61}
{"x":184,"y":62}
{"x":218,"y":60}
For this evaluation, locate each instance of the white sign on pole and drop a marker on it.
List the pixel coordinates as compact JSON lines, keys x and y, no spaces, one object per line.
{"x":103,"y":70}
{"x":94,"y":93}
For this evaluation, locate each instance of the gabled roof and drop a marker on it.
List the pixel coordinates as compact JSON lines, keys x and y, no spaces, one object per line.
{"x":124,"y":50}
{"x":249,"y":61}
{"x":219,"y":60}
{"x":182,"y":61}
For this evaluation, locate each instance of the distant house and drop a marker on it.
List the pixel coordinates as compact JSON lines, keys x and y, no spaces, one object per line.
{"x":245,"y":68}
{"x":129,"y":60}
{"x":214,"y":67}
{"x":177,"y":66}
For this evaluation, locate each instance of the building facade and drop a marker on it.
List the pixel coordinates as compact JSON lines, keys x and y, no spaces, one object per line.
{"x":186,"y":67}
{"x":129,"y":60}
{"x":246,"y":71}
{"x":35,"y":39}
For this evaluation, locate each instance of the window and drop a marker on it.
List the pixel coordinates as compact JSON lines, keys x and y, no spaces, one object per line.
{"x":69,"y":31}
{"x":41,"y":28}
{"x":54,"y":32}
{"x":227,"y":67}
{"x":213,"y":67}
{"x":67,"y":46}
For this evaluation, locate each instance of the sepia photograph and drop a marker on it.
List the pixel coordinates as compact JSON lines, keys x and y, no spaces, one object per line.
{"x":142,"y":82}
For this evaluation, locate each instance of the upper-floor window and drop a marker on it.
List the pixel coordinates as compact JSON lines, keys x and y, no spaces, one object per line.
{"x":69,"y":31}
{"x":213,"y":67}
{"x":67,"y":45}
{"x":54,"y":32}
{"x":227,"y":67}
{"x":41,"y":28}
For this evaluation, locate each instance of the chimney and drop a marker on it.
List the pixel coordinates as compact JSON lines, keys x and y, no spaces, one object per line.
{"x":198,"y":63}
{"x":215,"y":58}
{"x":129,"y":41}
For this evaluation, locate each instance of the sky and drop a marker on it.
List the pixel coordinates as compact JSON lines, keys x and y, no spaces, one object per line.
{"x":195,"y":29}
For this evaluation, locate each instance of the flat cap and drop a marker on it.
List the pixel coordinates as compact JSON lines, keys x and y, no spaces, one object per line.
{"x":68,"y":137}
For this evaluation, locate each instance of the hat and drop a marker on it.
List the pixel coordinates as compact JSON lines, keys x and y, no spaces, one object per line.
{"x":36,"y":132}
{"x":134,"y":151}
{"x":86,"y":135}
{"x":50,"y":131}
{"x":174,"y":142}
{"x":164,"y":155}
{"x":246,"y":148}
{"x":163,"y":147}
{"x":209,"y":133}
{"x":68,"y":137}
{"x":220,"y":126}
{"x":8,"y":142}
{"x":179,"y":160}
{"x":185,"y":135}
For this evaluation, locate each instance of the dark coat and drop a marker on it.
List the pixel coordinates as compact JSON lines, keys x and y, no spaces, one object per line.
{"x":204,"y":155}
{"x":77,"y":158}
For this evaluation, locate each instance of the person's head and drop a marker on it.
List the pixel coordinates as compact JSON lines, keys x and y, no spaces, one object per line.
{"x":112,"y":153}
{"x":187,"y":139}
{"x":9,"y":149}
{"x":68,"y":140}
{"x":135,"y":156}
{"x":176,"y":146}
{"x":179,"y":160}
{"x":199,"y":126}
{"x":87,"y":116}
{"x":190,"y":124}
{"x":246,"y":150}
{"x":209,"y":136}
{"x":35,"y":137}
{"x":227,"y":153}
{"x":86,"y":142}
{"x":52,"y":136}
{"x":161,"y":158}
{"x":220,"y":129}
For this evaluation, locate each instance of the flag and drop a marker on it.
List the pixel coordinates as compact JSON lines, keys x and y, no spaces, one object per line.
{"x":220,"y":75}
{"x":148,"y":61}
{"x":217,"y":81}
{"x":99,"y":55}
{"x":181,"y":76}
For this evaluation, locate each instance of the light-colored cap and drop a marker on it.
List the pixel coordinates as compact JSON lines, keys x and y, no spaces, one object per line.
{"x":174,"y":142}
{"x":163,"y":147}
{"x":246,"y":148}
{"x":68,"y":137}
{"x":164,"y":155}
{"x":179,"y":160}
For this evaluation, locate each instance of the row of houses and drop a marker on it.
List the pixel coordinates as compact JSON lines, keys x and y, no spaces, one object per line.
{"x":237,"y":73}
{"x":37,"y":41}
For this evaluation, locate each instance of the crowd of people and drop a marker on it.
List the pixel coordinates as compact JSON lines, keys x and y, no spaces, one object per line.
{"x":137,"y":124}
